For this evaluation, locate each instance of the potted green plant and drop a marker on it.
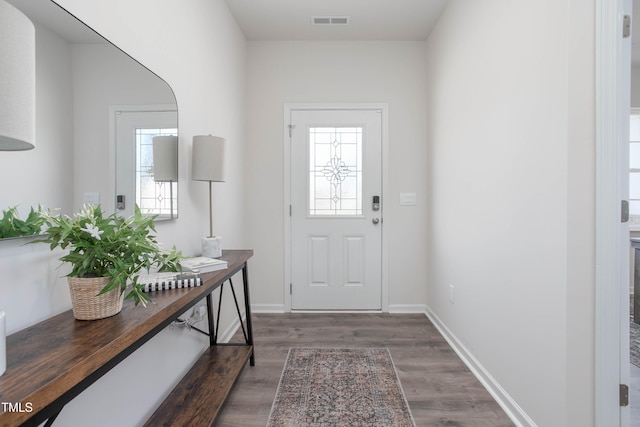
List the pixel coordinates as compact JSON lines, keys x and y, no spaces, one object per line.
{"x":12,"y":226}
{"x":106,"y":253}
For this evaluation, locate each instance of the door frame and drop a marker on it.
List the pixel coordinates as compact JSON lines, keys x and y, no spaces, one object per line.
{"x":611,"y":277}
{"x":288,"y":109}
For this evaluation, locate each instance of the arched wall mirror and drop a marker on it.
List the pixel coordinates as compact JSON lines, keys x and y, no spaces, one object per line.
{"x":97,"y":113}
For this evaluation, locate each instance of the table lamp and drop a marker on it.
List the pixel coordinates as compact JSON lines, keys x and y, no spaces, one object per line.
{"x":208,"y":165}
{"x":17,"y":80}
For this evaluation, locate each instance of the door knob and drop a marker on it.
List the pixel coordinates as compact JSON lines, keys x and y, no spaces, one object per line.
{"x":375,"y":220}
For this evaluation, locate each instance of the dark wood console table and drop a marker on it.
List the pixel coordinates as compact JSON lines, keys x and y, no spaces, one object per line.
{"x":50,"y":363}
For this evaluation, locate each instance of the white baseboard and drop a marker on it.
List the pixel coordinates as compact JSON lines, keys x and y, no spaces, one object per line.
{"x":407,"y":308}
{"x":506,"y":402}
{"x":267,"y":308}
{"x":395,"y":308}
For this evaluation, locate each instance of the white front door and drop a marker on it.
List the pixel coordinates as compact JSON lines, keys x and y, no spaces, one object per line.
{"x":134,"y":130}
{"x":336,"y":209}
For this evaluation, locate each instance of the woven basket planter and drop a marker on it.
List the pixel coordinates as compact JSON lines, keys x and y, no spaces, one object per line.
{"x":87,"y":304}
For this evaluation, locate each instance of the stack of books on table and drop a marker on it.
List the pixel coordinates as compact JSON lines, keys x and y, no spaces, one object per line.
{"x":168,"y":280}
{"x":201,"y":264}
{"x":188,"y":278}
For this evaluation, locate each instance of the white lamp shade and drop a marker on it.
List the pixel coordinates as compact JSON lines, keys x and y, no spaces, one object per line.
{"x":17,"y":80}
{"x":208,"y":158}
{"x":165,"y":158}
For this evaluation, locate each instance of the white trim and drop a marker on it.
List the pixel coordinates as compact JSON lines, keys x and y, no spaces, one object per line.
{"x":286,"y":208}
{"x":506,"y":402}
{"x":608,"y":275}
{"x":288,"y":108}
{"x":267,"y":308}
{"x":336,"y":311}
{"x":407,"y":308}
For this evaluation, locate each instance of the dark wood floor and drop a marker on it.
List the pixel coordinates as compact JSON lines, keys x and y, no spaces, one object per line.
{"x":441,"y":391}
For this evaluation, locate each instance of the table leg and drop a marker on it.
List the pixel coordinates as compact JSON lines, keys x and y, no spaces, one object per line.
{"x":247,"y":307}
{"x":212,"y":331}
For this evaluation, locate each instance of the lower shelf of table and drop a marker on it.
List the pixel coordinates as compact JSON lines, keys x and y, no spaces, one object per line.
{"x":197,"y":399}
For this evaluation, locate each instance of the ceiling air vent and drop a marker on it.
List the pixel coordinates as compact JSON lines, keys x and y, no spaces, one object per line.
{"x":330,"y":20}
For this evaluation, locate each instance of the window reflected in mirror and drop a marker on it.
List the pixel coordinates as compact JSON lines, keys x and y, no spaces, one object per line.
{"x":135,"y":128}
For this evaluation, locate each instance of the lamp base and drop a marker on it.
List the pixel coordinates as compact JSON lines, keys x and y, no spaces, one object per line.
{"x":212,"y":246}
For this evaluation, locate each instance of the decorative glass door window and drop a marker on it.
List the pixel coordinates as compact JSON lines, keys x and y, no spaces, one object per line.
{"x":335,"y":171}
{"x":153,"y":198}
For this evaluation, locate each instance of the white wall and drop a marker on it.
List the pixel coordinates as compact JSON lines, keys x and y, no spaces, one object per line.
{"x":511,"y":198}
{"x":337,"y":72}
{"x":203,"y":58}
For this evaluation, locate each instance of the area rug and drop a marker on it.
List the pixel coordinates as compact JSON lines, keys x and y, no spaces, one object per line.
{"x":325,"y":387}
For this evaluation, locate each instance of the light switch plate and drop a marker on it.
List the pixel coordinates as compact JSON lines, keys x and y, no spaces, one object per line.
{"x":91,"y":198}
{"x":407,"y":199}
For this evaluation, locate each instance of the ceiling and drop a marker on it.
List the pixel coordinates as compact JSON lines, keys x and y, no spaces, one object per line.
{"x":369,"y":19}
{"x":291,"y":20}
{"x":286,"y":19}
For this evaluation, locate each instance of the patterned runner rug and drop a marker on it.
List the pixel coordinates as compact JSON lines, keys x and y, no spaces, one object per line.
{"x":339,"y":387}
